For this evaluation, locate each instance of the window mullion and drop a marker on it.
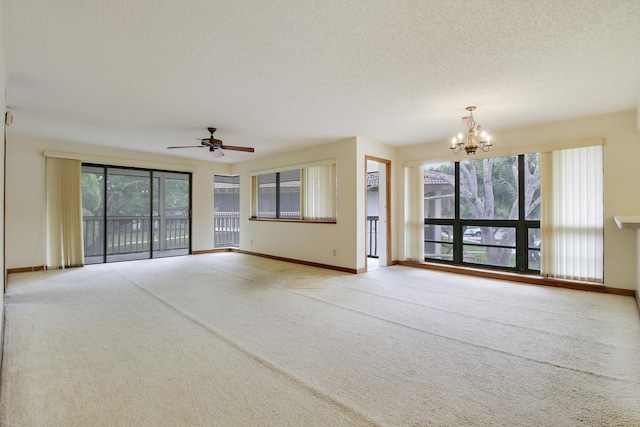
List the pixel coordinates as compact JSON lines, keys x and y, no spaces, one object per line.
{"x":104,"y":215}
{"x":457,"y":225}
{"x":277,"y":194}
{"x":522,"y":245}
{"x":151,"y":222}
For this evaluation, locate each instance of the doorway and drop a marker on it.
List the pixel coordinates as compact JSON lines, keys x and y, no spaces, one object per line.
{"x":378,"y":213}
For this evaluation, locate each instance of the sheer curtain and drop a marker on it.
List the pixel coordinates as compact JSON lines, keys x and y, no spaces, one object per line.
{"x":318,"y":192}
{"x":64,"y":213}
{"x":572,"y":220}
{"x":414,"y":213}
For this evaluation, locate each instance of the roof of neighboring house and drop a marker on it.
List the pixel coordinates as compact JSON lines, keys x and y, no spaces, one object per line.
{"x":372,"y":179}
{"x":434,"y":178}
{"x":430,"y":178}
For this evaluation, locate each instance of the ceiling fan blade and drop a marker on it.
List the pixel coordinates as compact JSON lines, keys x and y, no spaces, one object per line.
{"x":231,"y":147}
{"x":216,"y":146}
{"x":187,"y":146}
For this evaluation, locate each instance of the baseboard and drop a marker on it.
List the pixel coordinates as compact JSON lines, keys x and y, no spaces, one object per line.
{"x":2,"y":327}
{"x":213,"y":251}
{"x":498,"y":275}
{"x":522,"y":278}
{"x":297,"y":261}
{"x":219,"y":250}
{"x":26,"y":269}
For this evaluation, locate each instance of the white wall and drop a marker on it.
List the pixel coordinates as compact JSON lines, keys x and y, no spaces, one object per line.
{"x":3,"y":81}
{"x":621,"y":174}
{"x":25,"y":234}
{"x":305,"y":241}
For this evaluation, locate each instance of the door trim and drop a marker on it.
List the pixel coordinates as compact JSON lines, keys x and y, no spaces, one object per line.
{"x":387,"y":183}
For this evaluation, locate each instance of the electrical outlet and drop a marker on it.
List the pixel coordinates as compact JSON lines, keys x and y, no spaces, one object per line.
{"x":252,"y":242}
{"x":334,"y":252}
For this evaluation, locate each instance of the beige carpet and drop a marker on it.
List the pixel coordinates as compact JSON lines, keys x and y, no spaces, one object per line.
{"x":234,"y":340}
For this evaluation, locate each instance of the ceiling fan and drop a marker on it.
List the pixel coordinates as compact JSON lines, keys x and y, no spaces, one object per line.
{"x":215,"y":145}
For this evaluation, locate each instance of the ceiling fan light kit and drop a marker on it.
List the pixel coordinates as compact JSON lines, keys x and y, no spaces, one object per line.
{"x":215,"y":145}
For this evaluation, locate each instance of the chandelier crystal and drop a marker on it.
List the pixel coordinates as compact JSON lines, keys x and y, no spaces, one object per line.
{"x":476,"y":137}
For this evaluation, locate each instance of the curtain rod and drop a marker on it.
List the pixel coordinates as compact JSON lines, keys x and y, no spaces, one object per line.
{"x":119,"y":162}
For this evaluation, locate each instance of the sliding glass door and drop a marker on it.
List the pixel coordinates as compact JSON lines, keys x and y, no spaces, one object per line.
{"x":93,"y":214}
{"x":171,"y":219}
{"x":128,"y":214}
{"x":133,"y":214}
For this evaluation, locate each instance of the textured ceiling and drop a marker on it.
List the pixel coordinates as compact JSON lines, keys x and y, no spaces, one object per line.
{"x":284,"y":74}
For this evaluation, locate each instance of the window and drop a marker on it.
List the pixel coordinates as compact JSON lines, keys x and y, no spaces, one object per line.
{"x":226,"y":206}
{"x":439,"y":205}
{"x":289,"y":194}
{"x":484,"y":212}
{"x":279,"y":195}
{"x":538,"y":213}
{"x":305,"y":193}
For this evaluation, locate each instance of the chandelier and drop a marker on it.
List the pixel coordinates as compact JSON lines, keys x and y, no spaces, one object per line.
{"x":476,"y":137}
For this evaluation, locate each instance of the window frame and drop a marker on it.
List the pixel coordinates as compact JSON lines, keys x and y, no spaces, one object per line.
{"x":278,"y":198}
{"x":521,"y":225}
{"x":278,"y":214}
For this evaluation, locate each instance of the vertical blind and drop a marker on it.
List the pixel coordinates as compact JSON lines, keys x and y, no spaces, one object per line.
{"x":572,"y":244}
{"x":318,"y":192}
{"x":414,"y":214}
{"x":64,"y":213}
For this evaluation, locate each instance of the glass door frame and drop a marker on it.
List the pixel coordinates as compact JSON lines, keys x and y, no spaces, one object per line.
{"x":151,"y":218}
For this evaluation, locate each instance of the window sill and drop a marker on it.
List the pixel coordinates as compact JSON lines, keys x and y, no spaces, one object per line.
{"x":306,"y":221}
